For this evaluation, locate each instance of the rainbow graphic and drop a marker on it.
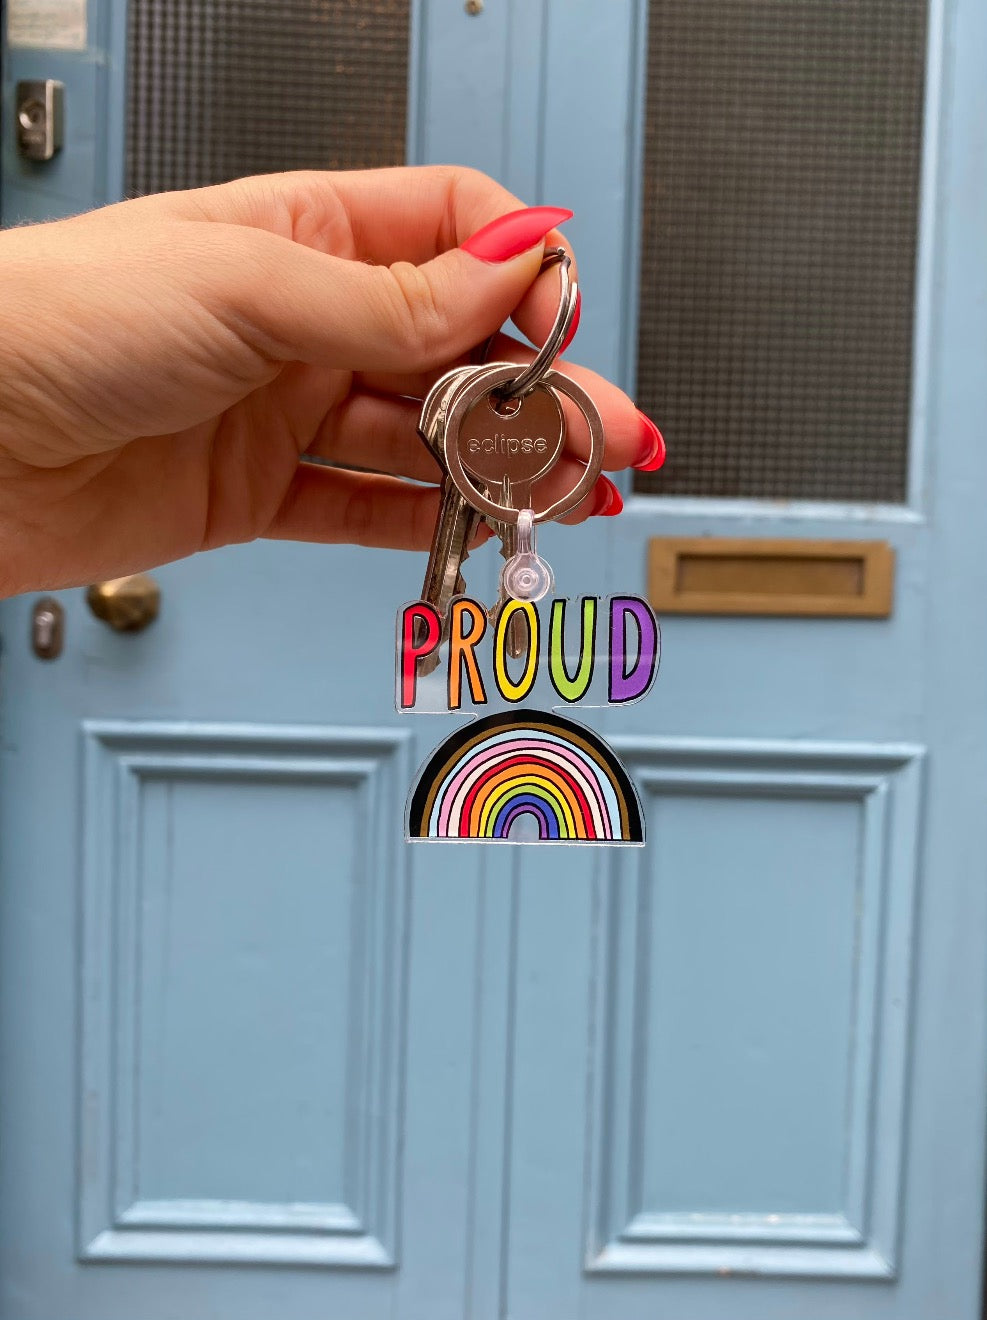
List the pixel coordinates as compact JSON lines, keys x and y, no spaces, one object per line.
{"x":488,"y":775}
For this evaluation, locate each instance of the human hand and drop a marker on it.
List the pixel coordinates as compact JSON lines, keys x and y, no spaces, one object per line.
{"x":167,"y":362}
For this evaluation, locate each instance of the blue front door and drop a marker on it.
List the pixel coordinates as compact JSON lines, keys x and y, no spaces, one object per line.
{"x":258,"y":1056}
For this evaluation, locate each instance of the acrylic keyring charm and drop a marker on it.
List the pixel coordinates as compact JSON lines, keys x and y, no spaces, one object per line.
{"x":521,"y":769}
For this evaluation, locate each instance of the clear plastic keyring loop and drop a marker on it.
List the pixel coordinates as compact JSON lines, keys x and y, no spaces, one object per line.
{"x":526,"y":576}
{"x":535,"y":372}
{"x":488,"y":380}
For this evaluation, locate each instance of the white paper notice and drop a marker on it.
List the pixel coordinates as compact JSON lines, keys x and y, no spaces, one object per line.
{"x":53,"y":24}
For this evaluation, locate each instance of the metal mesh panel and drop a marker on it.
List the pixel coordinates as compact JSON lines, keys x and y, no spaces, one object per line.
{"x":781,"y":172}
{"x":223,"y":88}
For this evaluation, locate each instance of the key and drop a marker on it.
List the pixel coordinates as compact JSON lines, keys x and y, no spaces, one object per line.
{"x":506,"y":451}
{"x":431,"y":429}
{"x":507,"y":532}
{"x":457,"y":520}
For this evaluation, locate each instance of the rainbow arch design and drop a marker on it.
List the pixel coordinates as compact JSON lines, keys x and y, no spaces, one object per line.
{"x":485,"y":776}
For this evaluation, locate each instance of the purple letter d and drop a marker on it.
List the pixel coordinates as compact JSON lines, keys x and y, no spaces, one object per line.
{"x":629,"y":685}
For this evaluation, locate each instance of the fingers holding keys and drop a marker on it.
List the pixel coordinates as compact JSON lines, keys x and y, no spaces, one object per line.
{"x":632,"y":439}
{"x":376,"y":434}
{"x":378,"y":431}
{"x":274,"y":314}
{"x":423,"y":264}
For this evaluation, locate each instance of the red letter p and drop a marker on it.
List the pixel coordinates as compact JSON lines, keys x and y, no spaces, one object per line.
{"x":416,"y":641}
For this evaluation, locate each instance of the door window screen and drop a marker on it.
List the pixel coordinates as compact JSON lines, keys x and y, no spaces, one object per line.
{"x":781,"y":174}
{"x":222,"y":88}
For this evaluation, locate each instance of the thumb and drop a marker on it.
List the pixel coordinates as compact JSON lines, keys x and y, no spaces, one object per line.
{"x":303,"y":305}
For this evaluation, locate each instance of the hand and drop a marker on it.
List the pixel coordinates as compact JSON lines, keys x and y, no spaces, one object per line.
{"x":167,"y":362}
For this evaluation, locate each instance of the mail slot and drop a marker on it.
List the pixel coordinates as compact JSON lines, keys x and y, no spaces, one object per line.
{"x":730,"y":575}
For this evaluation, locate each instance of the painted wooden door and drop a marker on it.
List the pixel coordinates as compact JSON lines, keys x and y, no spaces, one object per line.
{"x":259,"y":1056}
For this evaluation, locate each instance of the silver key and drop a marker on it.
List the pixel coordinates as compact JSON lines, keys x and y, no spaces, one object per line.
{"x":507,"y":532}
{"x":457,"y":521}
{"x":506,"y":452}
{"x":431,"y":427}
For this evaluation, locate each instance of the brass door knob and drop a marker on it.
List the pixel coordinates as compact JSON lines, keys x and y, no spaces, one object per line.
{"x":127,"y":604}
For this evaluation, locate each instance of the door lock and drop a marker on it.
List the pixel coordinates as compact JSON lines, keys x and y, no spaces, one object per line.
{"x":39,"y":118}
{"x":47,"y":628}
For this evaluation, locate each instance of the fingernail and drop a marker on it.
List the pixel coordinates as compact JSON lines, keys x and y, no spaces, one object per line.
{"x":575,"y":322}
{"x":609,"y":500}
{"x":510,"y":235}
{"x":652,"y":446}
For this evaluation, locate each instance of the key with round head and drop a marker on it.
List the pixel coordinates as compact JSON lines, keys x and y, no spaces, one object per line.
{"x":526,"y":459}
{"x":506,"y":447}
{"x":485,"y":382}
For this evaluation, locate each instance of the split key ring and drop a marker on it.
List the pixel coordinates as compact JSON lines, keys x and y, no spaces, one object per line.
{"x":535,"y":372}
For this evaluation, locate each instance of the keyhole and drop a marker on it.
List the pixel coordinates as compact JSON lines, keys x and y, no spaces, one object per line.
{"x":47,"y":628}
{"x":31,"y":115}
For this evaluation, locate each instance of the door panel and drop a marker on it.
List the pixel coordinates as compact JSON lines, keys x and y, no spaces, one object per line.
{"x":260,"y":1056}
{"x":239,"y":993}
{"x":772,"y":1112}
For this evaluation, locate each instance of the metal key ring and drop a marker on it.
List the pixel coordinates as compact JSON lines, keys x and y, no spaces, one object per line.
{"x":537,"y":369}
{"x":490,"y":379}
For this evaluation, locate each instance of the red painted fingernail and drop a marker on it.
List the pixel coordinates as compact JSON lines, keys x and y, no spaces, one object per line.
{"x":652,"y":446}
{"x":608,"y":498}
{"x":510,"y":235}
{"x":575,"y":322}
